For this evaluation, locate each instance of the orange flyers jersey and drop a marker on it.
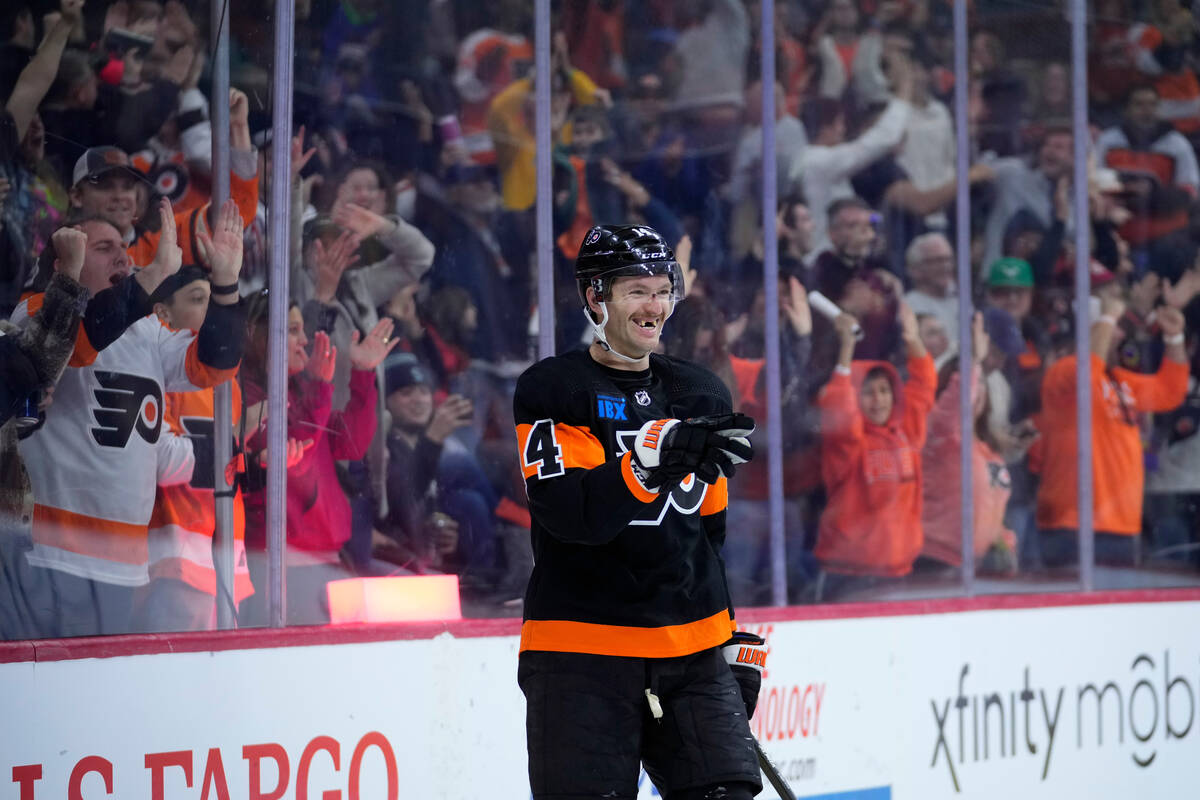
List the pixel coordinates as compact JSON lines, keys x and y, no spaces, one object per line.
{"x":96,"y":460}
{"x":183,"y":521}
{"x":243,"y":191}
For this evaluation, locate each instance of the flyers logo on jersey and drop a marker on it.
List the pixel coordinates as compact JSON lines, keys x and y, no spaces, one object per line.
{"x":686,"y":497}
{"x":126,"y":403}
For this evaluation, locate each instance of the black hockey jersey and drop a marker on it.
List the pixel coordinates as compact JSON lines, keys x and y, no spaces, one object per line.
{"x":618,"y":570}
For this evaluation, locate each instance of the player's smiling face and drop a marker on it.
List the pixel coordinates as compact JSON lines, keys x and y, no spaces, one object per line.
{"x":636,"y":313}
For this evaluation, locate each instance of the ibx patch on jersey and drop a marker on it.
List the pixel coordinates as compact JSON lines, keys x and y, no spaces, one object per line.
{"x":610,"y":407}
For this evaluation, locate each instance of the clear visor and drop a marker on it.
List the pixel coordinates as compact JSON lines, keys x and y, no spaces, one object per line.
{"x":603,"y":283}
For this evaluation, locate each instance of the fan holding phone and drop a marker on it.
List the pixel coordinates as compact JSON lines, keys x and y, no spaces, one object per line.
{"x":430,"y":471}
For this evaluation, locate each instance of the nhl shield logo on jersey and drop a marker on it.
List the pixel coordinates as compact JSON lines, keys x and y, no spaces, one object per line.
{"x":641,"y":397}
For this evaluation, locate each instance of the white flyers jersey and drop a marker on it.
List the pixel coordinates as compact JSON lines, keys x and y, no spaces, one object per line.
{"x":96,"y":460}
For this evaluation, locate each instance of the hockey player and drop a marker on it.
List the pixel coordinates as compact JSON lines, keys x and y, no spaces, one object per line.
{"x":95,"y":462}
{"x":626,"y":456}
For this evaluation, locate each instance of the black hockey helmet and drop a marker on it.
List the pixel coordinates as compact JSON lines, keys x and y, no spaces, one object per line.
{"x":616,"y":251}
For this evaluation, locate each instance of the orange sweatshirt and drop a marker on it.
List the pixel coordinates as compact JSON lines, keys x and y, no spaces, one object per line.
{"x":872,"y":473}
{"x":1117,"y":462}
{"x":941,"y":513}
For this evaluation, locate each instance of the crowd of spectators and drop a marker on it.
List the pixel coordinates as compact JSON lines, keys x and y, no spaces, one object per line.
{"x":413,"y":285}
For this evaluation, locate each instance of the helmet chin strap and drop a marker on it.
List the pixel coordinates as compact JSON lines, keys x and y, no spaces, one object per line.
{"x":598,"y":331}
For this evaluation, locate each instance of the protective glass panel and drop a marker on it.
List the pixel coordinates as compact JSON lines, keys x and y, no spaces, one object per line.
{"x":1023,"y":255}
{"x":418,"y":238}
{"x":1144,"y":104}
{"x":107,"y":172}
{"x":866,"y":219}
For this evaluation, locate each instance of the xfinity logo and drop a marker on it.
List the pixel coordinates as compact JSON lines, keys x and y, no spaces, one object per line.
{"x":1029,"y":721}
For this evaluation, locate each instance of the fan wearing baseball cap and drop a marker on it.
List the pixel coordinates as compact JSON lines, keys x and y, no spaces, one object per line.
{"x":1010,"y":286}
{"x":426,"y":476}
{"x":1021,"y":343}
{"x":106,"y":183}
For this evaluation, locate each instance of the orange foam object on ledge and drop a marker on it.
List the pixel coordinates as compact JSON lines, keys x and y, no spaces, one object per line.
{"x":402,"y":598}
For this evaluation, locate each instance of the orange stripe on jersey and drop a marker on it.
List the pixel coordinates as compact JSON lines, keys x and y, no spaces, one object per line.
{"x":632,"y":483}
{"x":716,"y":498}
{"x":577,"y":446}
{"x":88,"y":536}
{"x":192,"y":510}
{"x":509,"y":511}
{"x":566,"y":636}
{"x":199,"y":578}
{"x":200,"y":373}
{"x":84,"y":354}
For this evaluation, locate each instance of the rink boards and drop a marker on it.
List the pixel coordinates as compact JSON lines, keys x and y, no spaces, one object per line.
{"x":1032,"y":697}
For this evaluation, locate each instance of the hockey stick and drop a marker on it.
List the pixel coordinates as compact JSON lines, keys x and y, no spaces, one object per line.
{"x":772,"y":773}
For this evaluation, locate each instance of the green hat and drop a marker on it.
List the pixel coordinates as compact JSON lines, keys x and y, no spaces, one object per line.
{"x":1010,"y":272}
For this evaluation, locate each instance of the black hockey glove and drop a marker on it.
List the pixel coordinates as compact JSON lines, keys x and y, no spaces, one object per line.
{"x":730,"y":447}
{"x":746,"y":655}
{"x":667,"y":450}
